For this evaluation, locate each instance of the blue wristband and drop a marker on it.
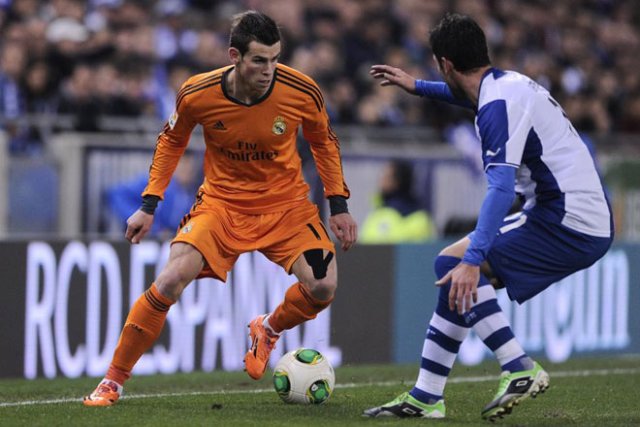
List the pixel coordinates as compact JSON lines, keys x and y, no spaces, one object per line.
{"x":439,"y":91}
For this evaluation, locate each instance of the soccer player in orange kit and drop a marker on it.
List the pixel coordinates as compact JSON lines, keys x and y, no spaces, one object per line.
{"x":253,"y":196}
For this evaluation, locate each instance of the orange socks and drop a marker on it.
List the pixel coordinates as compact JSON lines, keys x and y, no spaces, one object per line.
{"x":147,"y":316}
{"x":141,"y":329}
{"x":298,"y":306}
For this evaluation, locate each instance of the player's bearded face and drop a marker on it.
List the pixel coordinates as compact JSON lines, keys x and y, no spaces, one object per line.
{"x":455,"y":89}
{"x":447,"y":74}
{"x":258,"y":65}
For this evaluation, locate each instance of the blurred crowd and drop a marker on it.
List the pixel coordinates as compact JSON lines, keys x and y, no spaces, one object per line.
{"x":94,"y":58}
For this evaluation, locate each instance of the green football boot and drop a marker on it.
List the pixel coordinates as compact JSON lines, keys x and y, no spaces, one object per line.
{"x":514,"y":388}
{"x":406,"y":406}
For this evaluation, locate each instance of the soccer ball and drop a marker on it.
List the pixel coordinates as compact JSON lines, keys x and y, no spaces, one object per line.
{"x":304,"y":376}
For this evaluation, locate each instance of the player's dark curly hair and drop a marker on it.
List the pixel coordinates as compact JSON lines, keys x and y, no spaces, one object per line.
{"x":252,"y":26}
{"x":461,"y":40}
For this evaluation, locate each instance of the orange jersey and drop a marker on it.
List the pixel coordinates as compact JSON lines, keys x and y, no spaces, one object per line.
{"x":251,"y":164}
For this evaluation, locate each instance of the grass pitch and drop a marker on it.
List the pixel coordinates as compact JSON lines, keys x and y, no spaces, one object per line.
{"x":583,"y":392}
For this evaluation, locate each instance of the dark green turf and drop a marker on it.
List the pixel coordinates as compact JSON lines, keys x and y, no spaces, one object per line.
{"x":230,"y":399}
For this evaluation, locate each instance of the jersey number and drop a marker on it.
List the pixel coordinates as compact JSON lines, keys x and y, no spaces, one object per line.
{"x":555,"y":104}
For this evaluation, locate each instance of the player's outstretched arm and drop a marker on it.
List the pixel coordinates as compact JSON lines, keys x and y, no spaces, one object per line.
{"x":391,"y":76}
{"x":344,"y":228}
{"x":138,"y":225}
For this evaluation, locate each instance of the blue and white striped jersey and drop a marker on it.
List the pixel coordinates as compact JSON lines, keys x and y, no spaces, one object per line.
{"x":521,"y":125}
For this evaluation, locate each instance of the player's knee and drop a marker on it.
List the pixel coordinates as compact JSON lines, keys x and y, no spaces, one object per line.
{"x":171,"y":282}
{"x":323,"y":282}
{"x":443,"y":264}
{"x":318,"y":262}
{"x":322,"y":289}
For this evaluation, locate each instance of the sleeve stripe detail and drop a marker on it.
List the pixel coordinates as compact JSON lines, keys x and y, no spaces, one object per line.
{"x":304,"y":83}
{"x":290,"y":84}
{"x":200,"y":82}
{"x":316,"y":100}
{"x":196,"y":89}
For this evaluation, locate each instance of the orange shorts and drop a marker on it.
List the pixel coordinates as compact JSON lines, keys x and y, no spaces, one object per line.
{"x":221,"y":235}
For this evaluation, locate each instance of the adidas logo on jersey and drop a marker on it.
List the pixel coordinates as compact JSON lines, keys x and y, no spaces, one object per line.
{"x":219,"y":125}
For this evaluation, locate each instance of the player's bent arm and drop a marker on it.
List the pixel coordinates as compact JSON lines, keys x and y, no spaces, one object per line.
{"x":171,"y":144}
{"x":495,"y":207}
{"x":325,"y":148}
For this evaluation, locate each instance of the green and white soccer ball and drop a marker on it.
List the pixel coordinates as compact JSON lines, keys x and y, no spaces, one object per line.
{"x":304,"y":376}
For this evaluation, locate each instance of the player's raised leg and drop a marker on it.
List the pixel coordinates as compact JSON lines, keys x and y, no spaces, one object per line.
{"x":316,"y":271}
{"x":146,"y":320}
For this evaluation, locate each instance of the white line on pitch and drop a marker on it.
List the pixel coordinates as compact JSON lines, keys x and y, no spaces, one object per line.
{"x":455,"y":380}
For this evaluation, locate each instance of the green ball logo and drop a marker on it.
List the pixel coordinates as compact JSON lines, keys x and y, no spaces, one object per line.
{"x":308,"y":356}
{"x":319,"y":391}
{"x":281,"y":383}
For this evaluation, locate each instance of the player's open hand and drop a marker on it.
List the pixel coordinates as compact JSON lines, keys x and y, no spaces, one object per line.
{"x":464,"y":286}
{"x":345,"y":229}
{"x":389,"y":76}
{"x":138,"y":225}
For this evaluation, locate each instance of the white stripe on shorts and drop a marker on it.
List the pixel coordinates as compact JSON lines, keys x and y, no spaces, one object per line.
{"x":520,"y":222}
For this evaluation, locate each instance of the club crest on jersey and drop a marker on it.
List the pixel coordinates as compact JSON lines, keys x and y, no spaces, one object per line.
{"x":173,"y":120}
{"x":279,"y":126}
{"x":187,"y":228}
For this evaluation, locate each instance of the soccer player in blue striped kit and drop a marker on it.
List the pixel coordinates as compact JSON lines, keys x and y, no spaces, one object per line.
{"x":529,"y":148}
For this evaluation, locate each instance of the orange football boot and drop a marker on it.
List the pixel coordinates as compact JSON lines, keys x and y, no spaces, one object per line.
{"x":262,"y":343}
{"x":106,"y":394}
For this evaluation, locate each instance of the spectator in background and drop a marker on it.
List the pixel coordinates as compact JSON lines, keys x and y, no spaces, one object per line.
{"x":13,"y":61}
{"x":209,"y":52}
{"x":398,"y":216}
{"x":39,"y":88}
{"x":173,"y":38}
{"x":79,"y":98}
{"x":67,"y":38}
{"x":124,"y":198}
{"x":340,"y":105}
{"x":579,"y":50}
{"x":381,"y":108}
{"x":168,"y":86}
{"x":40,"y":97}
